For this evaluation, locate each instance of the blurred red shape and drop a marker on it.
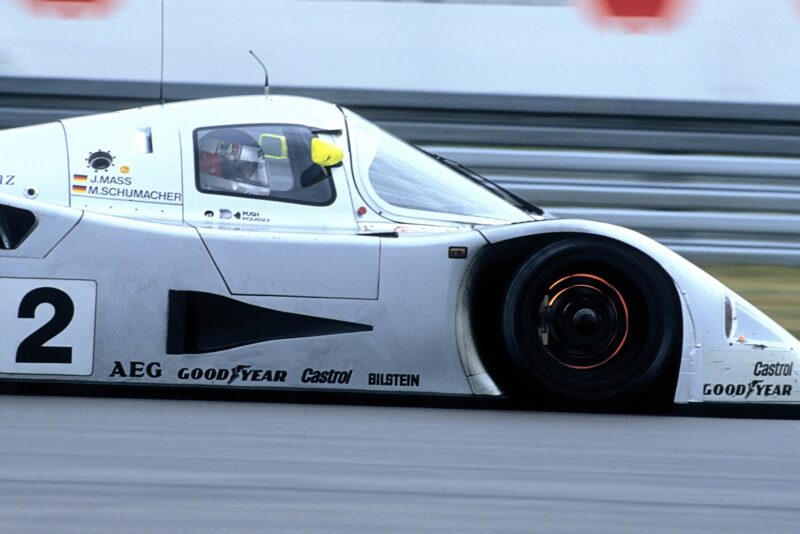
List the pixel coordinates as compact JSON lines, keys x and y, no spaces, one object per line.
{"x":636,"y":16}
{"x":71,"y":9}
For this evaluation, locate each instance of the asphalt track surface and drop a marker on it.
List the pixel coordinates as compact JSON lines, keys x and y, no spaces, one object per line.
{"x":74,"y":464}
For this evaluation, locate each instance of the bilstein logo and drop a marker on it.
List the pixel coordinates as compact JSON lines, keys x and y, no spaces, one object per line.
{"x":393,"y":379}
{"x":755,"y":388}
{"x":243,"y":373}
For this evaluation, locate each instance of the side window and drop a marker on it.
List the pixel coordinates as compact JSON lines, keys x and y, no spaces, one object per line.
{"x":287,"y":163}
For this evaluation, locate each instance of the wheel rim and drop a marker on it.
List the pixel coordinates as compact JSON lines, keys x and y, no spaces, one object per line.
{"x":583,"y":321}
{"x":586,"y":318}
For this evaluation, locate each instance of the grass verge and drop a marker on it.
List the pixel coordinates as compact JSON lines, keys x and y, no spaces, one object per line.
{"x":773,"y":289}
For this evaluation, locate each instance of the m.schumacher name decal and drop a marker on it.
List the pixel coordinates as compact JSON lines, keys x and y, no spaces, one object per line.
{"x":48,"y":326}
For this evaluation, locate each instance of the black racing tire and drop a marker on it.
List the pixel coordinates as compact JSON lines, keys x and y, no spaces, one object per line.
{"x":591,"y":319}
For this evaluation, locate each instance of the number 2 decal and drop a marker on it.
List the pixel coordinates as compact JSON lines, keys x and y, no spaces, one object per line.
{"x":48,"y":326}
{"x":32,"y":349}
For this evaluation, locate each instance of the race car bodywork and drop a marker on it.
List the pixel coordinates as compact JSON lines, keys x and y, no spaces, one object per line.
{"x":284,"y":242}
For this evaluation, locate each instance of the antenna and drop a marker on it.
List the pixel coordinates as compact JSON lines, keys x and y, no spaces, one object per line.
{"x":266,"y":76}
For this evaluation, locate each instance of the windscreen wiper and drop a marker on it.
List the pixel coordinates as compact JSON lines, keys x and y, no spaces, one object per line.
{"x":318,"y":131}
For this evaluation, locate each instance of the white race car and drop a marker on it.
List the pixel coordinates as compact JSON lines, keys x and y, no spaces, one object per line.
{"x":282,"y":242}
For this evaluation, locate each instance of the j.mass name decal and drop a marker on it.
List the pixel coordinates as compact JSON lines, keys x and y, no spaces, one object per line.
{"x":112,"y":180}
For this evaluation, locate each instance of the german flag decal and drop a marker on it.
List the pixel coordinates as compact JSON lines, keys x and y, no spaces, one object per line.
{"x":77,"y":183}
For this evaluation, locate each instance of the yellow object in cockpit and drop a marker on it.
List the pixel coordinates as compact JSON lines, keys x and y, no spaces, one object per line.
{"x":325,"y":154}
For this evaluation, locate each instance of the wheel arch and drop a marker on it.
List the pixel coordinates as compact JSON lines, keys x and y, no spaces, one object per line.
{"x":483,"y":351}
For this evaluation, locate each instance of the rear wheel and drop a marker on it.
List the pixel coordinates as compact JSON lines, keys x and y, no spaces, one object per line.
{"x":591,"y":319}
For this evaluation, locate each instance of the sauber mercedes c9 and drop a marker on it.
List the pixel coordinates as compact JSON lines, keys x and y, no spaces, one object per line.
{"x":281,"y":242}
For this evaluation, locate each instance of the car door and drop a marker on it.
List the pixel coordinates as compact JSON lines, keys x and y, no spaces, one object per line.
{"x":272,"y":205}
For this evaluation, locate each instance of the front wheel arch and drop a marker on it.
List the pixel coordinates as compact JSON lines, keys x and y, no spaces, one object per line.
{"x":506,"y":269}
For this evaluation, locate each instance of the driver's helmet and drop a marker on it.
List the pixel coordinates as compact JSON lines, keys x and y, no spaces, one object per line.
{"x":230,"y":154}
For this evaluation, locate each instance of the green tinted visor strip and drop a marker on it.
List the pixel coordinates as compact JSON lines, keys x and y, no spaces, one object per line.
{"x":273,"y":146}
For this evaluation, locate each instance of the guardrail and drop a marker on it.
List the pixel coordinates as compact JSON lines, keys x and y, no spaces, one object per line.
{"x":724,"y":208}
{"x":722,"y":188}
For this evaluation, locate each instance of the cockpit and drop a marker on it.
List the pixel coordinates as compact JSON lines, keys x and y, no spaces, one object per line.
{"x":279,"y":162}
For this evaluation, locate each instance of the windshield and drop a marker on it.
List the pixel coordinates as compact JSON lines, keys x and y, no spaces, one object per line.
{"x":407,"y":181}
